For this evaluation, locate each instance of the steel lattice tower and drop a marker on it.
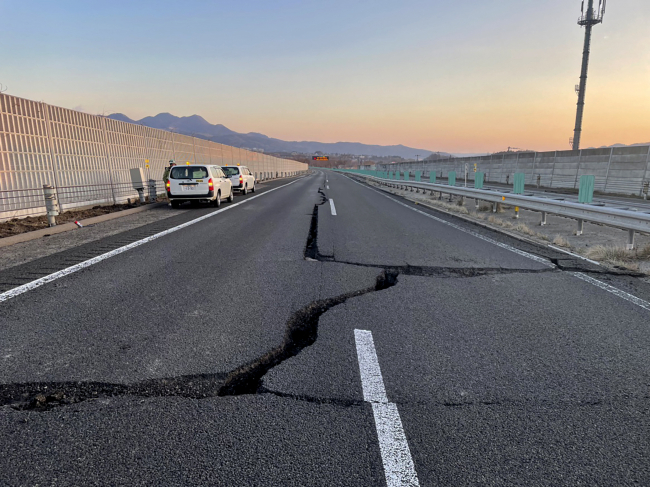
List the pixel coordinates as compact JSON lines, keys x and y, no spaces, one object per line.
{"x":587,"y":20}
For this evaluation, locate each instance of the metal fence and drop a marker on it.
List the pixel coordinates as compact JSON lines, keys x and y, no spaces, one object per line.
{"x":622,"y":170}
{"x":87,"y":157}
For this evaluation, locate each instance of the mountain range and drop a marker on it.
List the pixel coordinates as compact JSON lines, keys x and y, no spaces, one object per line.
{"x":200,"y":127}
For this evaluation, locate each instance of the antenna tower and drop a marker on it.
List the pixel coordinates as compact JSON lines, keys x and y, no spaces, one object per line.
{"x":587,"y":20}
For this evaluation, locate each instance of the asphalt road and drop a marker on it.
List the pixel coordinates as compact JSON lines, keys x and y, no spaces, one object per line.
{"x":322,"y":332}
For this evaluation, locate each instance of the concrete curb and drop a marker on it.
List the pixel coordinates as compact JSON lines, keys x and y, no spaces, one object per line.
{"x":66,"y":227}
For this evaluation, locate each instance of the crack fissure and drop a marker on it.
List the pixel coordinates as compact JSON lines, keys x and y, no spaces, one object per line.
{"x":41,"y":396}
{"x":311,"y":247}
{"x":301,"y":332}
{"x":448,"y":272}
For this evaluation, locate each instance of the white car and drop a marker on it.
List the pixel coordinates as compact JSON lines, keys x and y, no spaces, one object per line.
{"x":198,"y":183}
{"x":241,"y":177}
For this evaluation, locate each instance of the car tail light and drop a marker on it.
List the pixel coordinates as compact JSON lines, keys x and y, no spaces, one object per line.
{"x":241,"y":179}
{"x":168,"y":185}
{"x":210,"y":185}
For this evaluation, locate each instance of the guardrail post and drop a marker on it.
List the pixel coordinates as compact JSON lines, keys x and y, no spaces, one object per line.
{"x":581,"y":227}
{"x":543,"y":222}
{"x":630,"y":240}
{"x":51,"y":205}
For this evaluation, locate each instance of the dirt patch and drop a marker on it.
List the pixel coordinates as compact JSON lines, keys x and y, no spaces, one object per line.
{"x":31,"y":223}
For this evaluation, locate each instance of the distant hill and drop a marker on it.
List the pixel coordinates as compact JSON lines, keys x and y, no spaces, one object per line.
{"x":200,"y":127}
{"x":620,"y":145}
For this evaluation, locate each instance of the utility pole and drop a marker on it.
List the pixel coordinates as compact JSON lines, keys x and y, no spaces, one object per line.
{"x":588,"y":20}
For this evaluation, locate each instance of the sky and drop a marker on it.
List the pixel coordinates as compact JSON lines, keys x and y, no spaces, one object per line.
{"x":460,"y":77}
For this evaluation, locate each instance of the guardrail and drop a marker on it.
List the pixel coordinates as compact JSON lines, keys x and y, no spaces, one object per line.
{"x":630,"y":220}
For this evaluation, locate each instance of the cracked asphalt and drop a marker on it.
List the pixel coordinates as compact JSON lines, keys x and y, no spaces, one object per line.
{"x":224,"y":353}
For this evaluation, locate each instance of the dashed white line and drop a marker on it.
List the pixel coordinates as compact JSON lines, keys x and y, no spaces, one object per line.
{"x":395,"y":454}
{"x":332,"y":207}
{"x":328,"y":186}
{"x":12,"y":293}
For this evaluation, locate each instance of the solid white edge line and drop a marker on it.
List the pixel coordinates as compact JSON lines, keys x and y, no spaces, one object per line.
{"x":574,"y":255}
{"x":399,"y":469}
{"x":541,"y":260}
{"x":611,"y":289}
{"x":87,"y":263}
{"x":332,"y":207}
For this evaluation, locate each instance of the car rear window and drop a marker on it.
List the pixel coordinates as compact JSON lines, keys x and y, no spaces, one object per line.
{"x":188,"y":172}
{"x":230,"y":171}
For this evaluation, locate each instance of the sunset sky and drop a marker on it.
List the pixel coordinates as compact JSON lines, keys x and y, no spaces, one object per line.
{"x":473,"y":76}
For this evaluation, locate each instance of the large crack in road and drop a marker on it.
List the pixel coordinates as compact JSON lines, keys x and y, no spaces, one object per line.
{"x":301,"y":331}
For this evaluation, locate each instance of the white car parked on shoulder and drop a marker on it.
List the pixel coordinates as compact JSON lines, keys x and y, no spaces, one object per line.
{"x":241,"y":178}
{"x":198,"y":183}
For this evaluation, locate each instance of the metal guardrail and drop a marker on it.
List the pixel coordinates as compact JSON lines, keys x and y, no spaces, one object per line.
{"x":631,"y":220}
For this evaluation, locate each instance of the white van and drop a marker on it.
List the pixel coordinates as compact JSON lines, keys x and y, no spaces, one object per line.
{"x":241,"y":177}
{"x":198,"y":183}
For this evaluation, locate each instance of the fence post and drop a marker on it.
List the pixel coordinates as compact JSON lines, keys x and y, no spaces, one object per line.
{"x":553,"y":169}
{"x":575,"y":182}
{"x":51,"y":206}
{"x":532,"y":175}
{"x":609,"y":163}
{"x":108,"y":159}
{"x":53,"y":158}
{"x":646,"y":176}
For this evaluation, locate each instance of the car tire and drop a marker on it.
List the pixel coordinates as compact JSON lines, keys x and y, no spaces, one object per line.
{"x":176,"y":204}
{"x":217,"y":200}
{"x":231,"y":198}
{"x":244,"y":190}
{"x":253,"y":189}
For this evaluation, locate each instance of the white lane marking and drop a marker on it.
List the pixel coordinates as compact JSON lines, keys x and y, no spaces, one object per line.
{"x":12,"y":293}
{"x":371,"y":380}
{"x":574,"y":255}
{"x":332,"y":207}
{"x":328,"y":186}
{"x":617,"y":292}
{"x":395,"y":454}
{"x":541,"y":260}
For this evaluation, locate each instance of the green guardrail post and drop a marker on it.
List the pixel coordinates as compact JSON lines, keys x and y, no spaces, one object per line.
{"x":478,"y":180}
{"x":518,"y":185}
{"x":586,"y":192}
{"x":418,"y":176}
{"x":432,"y":177}
{"x":451,"y":178}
